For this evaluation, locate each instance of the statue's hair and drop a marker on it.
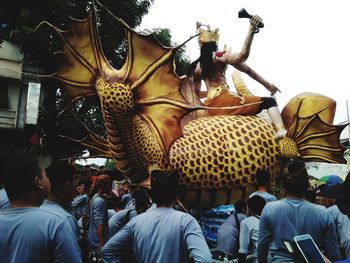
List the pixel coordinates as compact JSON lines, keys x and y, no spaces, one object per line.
{"x":206,"y":59}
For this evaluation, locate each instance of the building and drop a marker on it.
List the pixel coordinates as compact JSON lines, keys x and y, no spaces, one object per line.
{"x":20,"y":99}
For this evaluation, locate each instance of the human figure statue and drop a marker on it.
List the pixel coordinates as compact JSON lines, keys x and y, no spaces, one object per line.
{"x":211,"y":67}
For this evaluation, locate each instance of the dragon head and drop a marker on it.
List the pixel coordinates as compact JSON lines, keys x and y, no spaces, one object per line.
{"x":116,"y":97}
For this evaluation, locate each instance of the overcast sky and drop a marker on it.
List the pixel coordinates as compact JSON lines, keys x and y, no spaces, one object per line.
{"x":304,"y":45}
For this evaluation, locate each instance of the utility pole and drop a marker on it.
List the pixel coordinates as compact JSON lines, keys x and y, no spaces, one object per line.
{"x":348,"y":150}
{"x":347,"y":111}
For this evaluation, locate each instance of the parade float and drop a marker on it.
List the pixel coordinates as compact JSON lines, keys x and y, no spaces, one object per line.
{"x":151,"y":122}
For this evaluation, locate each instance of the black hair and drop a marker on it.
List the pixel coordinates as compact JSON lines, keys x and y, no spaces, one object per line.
{"x":101,"y":182}
{"x":141,"y":199}
{"x":125,"y":183}
{"x":256,"y":203}
{"x":240,"y":205}
{"x":59,"y":174}
{"x":164,"y":187}
{"x":206,"y":59}
{"x":295,"y":178}
{"x":83,"y":180}
{"x":19,"y":178}
{"x":262,"y":177}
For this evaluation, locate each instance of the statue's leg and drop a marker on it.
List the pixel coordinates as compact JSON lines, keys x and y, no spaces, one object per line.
{"x":276,"y":118}
{"x":274,"y":114}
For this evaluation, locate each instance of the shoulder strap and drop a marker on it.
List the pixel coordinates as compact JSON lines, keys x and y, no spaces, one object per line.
{"x":238,"y":225}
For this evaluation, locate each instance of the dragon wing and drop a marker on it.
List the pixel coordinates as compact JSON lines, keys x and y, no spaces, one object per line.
{"x":83,"y":60}
{"x":149,"y":70}
{"x":317,"y":140}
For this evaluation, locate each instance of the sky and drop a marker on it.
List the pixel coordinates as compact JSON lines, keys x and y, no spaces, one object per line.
{"x":304,"y":46}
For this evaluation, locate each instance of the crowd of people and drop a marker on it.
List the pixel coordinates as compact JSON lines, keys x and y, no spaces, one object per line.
{"x":60,"y":215}
{"x":261,"y":227}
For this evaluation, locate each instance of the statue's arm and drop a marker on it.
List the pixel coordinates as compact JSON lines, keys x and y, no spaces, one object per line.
{"x":237,"y":60}
{"x":242,"y":56}
{"x":243,"y":67}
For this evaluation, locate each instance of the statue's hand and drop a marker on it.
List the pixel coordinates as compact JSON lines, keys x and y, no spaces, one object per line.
{"x":272,"y":88}
{"x":254,"y":21}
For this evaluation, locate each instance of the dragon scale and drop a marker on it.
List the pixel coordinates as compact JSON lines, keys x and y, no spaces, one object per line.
{"x":224,"y":151}
{"x":131,"y":142}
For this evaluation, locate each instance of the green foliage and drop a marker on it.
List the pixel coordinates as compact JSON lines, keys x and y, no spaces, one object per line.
{"x":182,"y":62}
{"x":110,"y":165}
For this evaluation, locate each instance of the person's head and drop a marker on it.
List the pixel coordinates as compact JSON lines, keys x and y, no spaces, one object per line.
{"x":61,"y":175}
{"x":295,"y":179}
{"x":262,"y":177}
{"x":121,"y":191}
{"x":24,"y":179}
{"x":208,"y":42}
{"x":240,"y":206}
{"x":142,"y":201}
{"x":255,"y":205}
{"x":82,"y":185}
{"x":103,"y":185}
{"x":126,"y":186}
{"x":164,"y":187}
{"x":341,"y":194}
{"x":95,"y":172}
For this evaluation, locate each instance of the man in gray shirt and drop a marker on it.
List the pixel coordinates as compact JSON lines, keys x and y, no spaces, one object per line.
{"x":284,"y":219}
{"x":262,"y":178}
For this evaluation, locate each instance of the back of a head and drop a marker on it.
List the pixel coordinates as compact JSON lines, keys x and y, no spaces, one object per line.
{"x":240,"y":206}
{"x":164,"y":187}
{"x":142,"y":201}
{"x":103,"y":182}
{"x":256,"y":204}
{"x":59,"y":174}
{"x":295,"y":178}
{"x":19,"y":178}
{"x":262,"y":177}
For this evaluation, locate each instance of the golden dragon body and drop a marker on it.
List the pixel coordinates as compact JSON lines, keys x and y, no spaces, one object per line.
{"x":144,"y":102}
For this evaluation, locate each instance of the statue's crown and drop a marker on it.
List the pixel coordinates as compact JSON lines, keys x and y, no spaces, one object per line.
{"x":206,"y":34}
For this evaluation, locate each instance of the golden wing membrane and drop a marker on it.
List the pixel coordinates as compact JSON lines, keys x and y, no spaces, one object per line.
{"x":150,"y":70}
{"x":316,"y":139}
{"x":83,"y":60}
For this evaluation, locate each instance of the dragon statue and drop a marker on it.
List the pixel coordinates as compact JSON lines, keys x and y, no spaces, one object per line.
{"x":149,"y":116}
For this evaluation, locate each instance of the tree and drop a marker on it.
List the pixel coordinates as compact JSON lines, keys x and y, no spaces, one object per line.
{"x":182,"y":62}
{"x":19,"y":19}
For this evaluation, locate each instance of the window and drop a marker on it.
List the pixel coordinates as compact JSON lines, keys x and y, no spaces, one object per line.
{"x":4,"y":100}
